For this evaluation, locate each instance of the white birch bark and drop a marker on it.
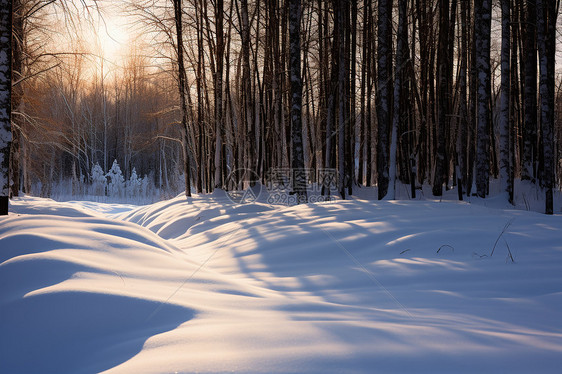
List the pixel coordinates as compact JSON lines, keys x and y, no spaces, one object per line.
{"x":5,"y":102}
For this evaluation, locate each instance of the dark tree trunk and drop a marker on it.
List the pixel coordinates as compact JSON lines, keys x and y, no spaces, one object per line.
{"x":504,"y":120}
{"x":462,"y":140}
{"x":482,"y":26}
{"x":219,"y":125}
{"x":299,"y":176}
{"x":443,"y":97}
{"x":546,"y":40}
{"x":182,"y":79}
{"x":401,"y":49}
{"x":528,"y":161}
{"x":340,"y":16}
{"x":384,"y":93}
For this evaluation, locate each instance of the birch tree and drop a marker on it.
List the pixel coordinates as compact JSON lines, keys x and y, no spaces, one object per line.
{"x":5,"y":101}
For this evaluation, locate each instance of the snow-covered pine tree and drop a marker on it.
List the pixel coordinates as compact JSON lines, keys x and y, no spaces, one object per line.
{"x":297,"y":164}
{"x":99,"y":180}
{"x":116,"y":183}
{"x":134,"y":185}
{"x":145,"y":189}
{"x":482,"y":34}
{"x":5,"y":101}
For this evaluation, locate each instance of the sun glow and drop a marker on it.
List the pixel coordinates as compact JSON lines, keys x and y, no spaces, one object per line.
{"x":112,"y":39}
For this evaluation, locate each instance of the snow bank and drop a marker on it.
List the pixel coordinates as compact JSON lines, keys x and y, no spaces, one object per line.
{"x":203,"y":285}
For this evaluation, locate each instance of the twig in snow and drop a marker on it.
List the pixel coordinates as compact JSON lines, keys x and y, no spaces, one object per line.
{"x":501,"y":233}
{"x":508,"y":251}
{"x":446,"y":245}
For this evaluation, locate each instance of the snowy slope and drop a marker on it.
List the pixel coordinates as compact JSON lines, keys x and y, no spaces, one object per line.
{"x":202,"y":285}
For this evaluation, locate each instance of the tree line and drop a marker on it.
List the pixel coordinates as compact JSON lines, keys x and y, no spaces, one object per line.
{"x":417,"y":91}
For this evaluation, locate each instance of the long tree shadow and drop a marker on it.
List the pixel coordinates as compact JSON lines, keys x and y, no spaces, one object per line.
{"x":74,"y":332}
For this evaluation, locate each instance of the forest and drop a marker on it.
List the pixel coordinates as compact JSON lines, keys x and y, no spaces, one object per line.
{"x":446,"y":93}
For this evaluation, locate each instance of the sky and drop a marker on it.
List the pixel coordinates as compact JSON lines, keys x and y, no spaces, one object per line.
{"x":111,"y":31}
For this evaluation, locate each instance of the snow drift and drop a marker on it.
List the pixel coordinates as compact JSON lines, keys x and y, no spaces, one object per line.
{"x":203,"y":285}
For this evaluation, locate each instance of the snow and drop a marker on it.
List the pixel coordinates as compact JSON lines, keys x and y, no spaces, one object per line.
{"x":204,"y":285}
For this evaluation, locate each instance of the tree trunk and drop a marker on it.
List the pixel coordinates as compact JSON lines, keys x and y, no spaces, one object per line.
{"x":443,"y":97}
{"x":401,"y":48}
{"x":299,"y":175}
{"x":546,"y":40}
{"x":462,"y":139}
{"x":5,"y":102}
{"x":340,"y":15}
{"x":17,"y":96}
{"x":219,"y":126}
{"x":504,"y":118}
{"x":528,"y":161}
{"x":482,"y":25}
{"x":183,"y":103}
{"x":384,"y":93}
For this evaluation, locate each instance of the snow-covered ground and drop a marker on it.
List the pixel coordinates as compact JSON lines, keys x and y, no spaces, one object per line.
{"x":204,"y":285}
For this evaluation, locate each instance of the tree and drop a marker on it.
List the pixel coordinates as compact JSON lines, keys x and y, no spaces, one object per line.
{"x":17,"y":93}
{"x":5,"y":101}
{"x":462,"y":139}
{"x":504,"y":120}
{"x":182,"y":86}
{"x":528,"y":162}
{"x":116,"y":183}
{"x":384,"y":92}
{"x":299,"y":176}
{"x":99,"y":181}
{"x":546,"y":39}
{"x":443,"y":97}
{"x":482,"y":34}
{"x":401,"y":49}
{"x":219,"y":126}
{"x":340,"y":15}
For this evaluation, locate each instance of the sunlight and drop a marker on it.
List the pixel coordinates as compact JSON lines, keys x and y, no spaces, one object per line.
{"x":112,"y":37}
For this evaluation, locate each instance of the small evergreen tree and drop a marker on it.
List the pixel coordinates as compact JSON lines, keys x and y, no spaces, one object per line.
{"x":99,"y":181}
{"x":134,"y":185}
{"x":116,"y":181}
{"x":145,"y":186}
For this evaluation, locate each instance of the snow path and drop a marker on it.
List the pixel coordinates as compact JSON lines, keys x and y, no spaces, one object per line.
{"x":207,"y":286}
